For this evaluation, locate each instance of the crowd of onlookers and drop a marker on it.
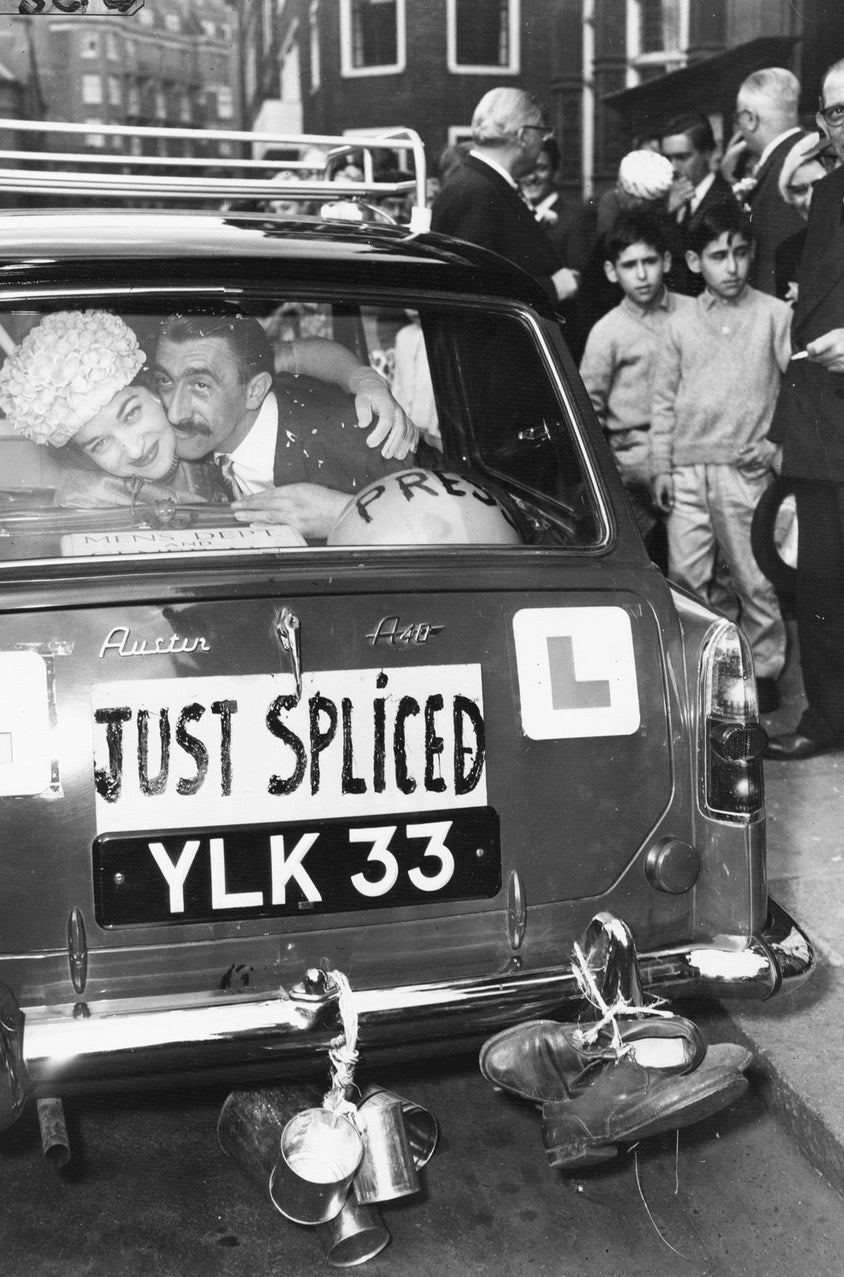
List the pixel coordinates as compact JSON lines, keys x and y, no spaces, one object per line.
{"x":703,"y":298}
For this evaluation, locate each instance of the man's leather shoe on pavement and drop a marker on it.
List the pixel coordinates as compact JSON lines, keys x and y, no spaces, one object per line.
{"x":793,"y":745}
{"x":624,"y":1102}
{"x":544,"y":1060}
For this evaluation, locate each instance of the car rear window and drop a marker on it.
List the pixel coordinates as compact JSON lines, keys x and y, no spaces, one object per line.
{"x":180,"y":458}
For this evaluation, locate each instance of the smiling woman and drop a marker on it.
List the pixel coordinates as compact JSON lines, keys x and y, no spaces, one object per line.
{"x":78,"y":379}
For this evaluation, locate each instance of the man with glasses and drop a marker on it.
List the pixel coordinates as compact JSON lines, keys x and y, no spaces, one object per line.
{"x":809,"y":423}
{"x":481,"y":202}
{"x":766,"y":117}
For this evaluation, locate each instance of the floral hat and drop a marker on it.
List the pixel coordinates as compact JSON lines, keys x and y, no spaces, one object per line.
{"x":64,"y":371}
{"x":645,"y":175}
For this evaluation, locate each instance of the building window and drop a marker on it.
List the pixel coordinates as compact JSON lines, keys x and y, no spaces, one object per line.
{"x":145,"y":17}
{"x":133,"y":99}
{"x":115,"y":94}
{"x":657,"y":38}
{"x":92,"y":90}
{"x":185,"y":115}
{"x":90,"y":46}
{"x":225,"y":102}
{"x":112,"y":46}
{"x":372,"y":37}
{"x":160,"y":104}
{"x":313,"y":31}
{"x":483,"y":36}
{"x":171,"y":22}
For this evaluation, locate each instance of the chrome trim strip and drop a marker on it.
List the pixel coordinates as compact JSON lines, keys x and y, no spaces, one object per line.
{"x":144,"y":1036}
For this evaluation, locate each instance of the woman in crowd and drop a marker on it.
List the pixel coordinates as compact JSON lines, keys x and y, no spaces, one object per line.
{"x":807,"y":162}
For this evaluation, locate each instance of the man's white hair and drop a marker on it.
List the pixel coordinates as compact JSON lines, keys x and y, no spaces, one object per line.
{"x":774,"y":87}
{"x":836,"y":69}
{"x":499,"y":115}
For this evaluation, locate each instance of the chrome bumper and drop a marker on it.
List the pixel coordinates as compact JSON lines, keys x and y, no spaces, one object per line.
{"x":142,"y":1038}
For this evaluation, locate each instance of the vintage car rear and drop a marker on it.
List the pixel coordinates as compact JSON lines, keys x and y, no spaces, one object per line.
{"x":424,"y":751}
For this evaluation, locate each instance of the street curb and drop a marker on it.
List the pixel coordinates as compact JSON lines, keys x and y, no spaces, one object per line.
{"x":808,"y":1128}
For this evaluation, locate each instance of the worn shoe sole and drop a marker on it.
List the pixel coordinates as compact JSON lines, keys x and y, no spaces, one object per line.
{"x":674,"y":1103}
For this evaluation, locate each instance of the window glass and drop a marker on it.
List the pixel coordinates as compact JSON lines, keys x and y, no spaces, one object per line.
{"x":374,"y":33}
{"x":482,"y":32}
{"x":92,"y":90}
{"x":116,"y":426}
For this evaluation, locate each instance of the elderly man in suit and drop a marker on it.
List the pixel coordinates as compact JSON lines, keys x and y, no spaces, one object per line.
{"x":481,"y":201}
{"x":809,"y":423}
{"x":689,"y":143}
{"x":766,"y":117}
{"x":286,"y":443}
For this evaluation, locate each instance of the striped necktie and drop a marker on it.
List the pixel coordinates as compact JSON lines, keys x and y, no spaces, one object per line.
{"x":226,"y":467}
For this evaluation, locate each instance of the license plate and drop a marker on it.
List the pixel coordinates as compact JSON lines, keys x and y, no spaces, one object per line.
{"x":288,"y":870}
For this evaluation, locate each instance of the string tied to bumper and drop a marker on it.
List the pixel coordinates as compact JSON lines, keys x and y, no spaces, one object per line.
{"x":342,"y":1051}
{"x":609,"y":1012}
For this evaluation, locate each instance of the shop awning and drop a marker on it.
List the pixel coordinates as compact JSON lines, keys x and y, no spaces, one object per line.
{"x":708,"y":85}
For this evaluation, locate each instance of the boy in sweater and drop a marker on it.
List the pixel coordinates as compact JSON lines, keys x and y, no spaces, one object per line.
{"x":715,"y":387}
{"x":618,"y":363}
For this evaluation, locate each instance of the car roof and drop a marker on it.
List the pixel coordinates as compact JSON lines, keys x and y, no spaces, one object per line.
{"x":59,"y":244}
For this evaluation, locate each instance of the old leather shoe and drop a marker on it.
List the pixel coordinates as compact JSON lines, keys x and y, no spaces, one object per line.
{"x":624,"y":1102}
{"x":793,"y":745}
{"x":543,"y":1059}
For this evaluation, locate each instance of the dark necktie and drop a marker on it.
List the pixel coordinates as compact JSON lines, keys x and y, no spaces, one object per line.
{"x":226,"y":467}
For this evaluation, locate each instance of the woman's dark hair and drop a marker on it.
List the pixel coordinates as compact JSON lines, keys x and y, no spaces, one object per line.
{"x":244,"y":336}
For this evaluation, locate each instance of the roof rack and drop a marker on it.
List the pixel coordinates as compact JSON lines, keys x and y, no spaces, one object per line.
{"x":70,"y":172}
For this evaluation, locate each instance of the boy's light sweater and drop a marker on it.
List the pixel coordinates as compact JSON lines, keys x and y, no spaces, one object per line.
{"x":618,"y":363}
{"x":716,"y":381}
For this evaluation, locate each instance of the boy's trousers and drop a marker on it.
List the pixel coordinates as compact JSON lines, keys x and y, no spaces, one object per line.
{"x":713,"y":510}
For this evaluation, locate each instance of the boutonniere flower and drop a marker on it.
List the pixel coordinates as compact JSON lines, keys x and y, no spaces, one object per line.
{"x":743,"y":189}
{"x":547,"y":215}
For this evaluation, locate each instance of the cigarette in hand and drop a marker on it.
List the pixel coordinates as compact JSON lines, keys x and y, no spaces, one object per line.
{"x":801,"y":354}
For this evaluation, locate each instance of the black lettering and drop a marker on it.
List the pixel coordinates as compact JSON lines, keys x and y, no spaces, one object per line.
{"x":70,"y":6}
{"x":280,"y":784}
{"x":434,"y":745}
{"x":379,"y":749}
{"x":155,"y":784}
{"x":367,"y":498}
{"x":193,"y":746}
{"x":29,"y":7}
{"x":319,"y":704}
{"x":465,"y":782}
{"x":414,"y":479}
{"x":225,"y":709}
{"x":407,"y":705}
{"x":450,"y":484}
{"x":108,"y":783}
{"x":485,"y":498}
{"x":351,"y":784}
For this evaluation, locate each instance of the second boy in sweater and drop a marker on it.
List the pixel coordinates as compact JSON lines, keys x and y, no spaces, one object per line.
{"x":715,"y":387}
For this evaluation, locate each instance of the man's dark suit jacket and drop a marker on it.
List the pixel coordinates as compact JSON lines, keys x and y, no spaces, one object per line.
{"x":318,"y":440}
{"x":773,"y":219}
{"x":680,"y":279}
{"x":478,"y":205}
{"x":809,"y":417}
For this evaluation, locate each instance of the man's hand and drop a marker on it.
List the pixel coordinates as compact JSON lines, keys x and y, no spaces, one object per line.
{"x":311,"y":509}
{"x":374,"y":403}
{"x":828,"y":350}
{"x":662,"y":491}
{"x":680,"y":193}
{"x":566,"y":283}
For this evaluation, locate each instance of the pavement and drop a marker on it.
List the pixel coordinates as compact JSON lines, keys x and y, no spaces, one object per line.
{"x":798,"y":1037}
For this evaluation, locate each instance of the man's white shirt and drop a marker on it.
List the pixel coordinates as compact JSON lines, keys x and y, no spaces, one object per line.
{"x":253,"y":460}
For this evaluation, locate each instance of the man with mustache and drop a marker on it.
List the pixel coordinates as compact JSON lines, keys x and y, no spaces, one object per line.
{"x":288,"y":443}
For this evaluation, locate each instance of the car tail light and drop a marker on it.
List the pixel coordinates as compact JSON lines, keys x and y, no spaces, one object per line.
{"x":732,"y":738}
